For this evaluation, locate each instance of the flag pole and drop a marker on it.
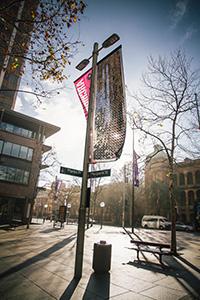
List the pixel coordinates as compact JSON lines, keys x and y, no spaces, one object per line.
{"x":133,"y":185}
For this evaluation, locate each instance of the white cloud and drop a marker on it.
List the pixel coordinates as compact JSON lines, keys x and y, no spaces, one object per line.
{"x":190,"y":31}
{"x":179,"y":12}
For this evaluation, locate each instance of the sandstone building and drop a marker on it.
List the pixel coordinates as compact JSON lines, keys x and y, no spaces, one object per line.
{"x":187,"y":182}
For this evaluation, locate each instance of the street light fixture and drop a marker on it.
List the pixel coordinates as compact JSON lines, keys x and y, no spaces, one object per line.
{"x":111,"y":40}
{"x":82,"y":64}
{"x":106,"y":44}
{"x":82,"y":209}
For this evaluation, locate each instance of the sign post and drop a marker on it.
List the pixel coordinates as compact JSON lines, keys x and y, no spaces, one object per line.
{"x":72,"y":172}
{"x":78,"y":173}
{"x":82,"y":208}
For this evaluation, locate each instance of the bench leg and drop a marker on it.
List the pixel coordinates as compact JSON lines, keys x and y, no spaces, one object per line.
{"x":138,"y":255}
{"x":160,"y":259}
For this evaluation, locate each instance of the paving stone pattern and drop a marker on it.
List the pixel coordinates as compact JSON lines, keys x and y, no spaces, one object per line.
{"x":38,"y":263}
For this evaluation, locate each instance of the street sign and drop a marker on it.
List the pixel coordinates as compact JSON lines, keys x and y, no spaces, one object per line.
{"x":78,"y":173}
{"x":72,"y":172}
{"x":100,"y":173}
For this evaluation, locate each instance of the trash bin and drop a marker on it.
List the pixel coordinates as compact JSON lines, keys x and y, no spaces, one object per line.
{"x":101,"y":257}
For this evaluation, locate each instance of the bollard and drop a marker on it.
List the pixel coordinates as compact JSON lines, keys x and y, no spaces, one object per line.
{"x":102,"y":257}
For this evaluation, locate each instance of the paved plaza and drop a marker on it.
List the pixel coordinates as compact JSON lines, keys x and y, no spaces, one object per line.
{"x":38,"y":263}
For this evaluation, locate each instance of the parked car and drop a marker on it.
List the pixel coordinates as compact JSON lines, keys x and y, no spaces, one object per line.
{"x":183,"y":227}
{"x":156,"y":222}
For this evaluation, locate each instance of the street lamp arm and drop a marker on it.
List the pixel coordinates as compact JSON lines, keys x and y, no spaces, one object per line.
{"x":106,"y":44}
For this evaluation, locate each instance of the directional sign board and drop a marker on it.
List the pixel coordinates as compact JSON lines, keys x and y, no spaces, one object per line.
{"x":72,"y":172}
{"x":78,"y":173}
{"x":100,"y":173}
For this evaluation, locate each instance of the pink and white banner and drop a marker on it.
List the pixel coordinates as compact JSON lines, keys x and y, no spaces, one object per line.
{"x":82,"y":85}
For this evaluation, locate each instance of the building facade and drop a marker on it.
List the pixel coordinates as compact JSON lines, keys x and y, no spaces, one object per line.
{"x":187,"y":182}
{"x":16,"y":24}
{"x":21,"y":137}
{"x":21,"y":149}
{"x":188,"y":189}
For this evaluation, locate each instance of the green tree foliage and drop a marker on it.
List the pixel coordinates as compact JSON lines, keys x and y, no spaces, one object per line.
{"x":43,"y":31}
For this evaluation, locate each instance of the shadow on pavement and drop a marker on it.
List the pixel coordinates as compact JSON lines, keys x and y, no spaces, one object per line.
{"x":49,"y":230}
{"x":38,"y":257}
{"x":70,"y":290}
{"x":185,"y":261}
{"x":187,"y":279}
{"x":98,"y":284}
{"x":154,"y":267}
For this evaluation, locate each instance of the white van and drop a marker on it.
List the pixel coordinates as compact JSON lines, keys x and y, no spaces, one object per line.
{"x":158,"y":222}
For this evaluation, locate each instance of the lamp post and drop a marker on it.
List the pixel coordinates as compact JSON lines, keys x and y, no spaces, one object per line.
{"x":133,"y":186}
{"x":68,"y":211}
{"x":45,"y":212}
{"x":102,"y":205}
{"x":82,"y":209}
{"x":133,"y":174}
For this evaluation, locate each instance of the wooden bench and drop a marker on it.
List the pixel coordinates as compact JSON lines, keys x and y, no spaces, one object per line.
{"x":151,"y":247}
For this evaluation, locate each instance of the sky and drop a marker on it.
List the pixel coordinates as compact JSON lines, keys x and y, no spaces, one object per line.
{"x":145,"y":27}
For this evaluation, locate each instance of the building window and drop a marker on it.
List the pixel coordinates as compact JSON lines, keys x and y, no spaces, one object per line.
{"x":14,"y":175}
{"x":181,"y":179}
{"x":10,"y":174}
{"x":198,"y":195}
{"x":30,"y":154}
{"x":189,"y":178}
{"x":182,"y":198}
{"x":2,"y":173}
{"x":17,"y":130}
{"x":1,"y":146}
{"x":23,"y":152}
{"x":26,"y":177}
{"x":7,"y":148}
{"x":16,"y":150}
{"x":197,"y":177}
{"x":191,"y":197}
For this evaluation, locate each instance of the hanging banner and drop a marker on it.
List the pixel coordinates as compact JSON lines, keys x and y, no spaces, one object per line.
{"x":82,"y":85}
{"x":110,"y":109}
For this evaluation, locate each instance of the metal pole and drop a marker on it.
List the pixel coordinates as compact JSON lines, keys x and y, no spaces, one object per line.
{"x":124,"y":198}
{"x":133,"y":185}
{"x":82,"y":208}
{"x":101,"y":217}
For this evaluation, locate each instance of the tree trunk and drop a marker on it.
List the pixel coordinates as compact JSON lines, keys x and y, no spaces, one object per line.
{"x":173,"y":210}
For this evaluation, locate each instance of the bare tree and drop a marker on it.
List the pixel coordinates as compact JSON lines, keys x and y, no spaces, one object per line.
{"x":164,"y":112}
{"x":49,"y":165}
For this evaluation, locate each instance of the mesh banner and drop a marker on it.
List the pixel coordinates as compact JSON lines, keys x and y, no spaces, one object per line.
{"x":109,"y":128}
{"x":110,"y":111}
